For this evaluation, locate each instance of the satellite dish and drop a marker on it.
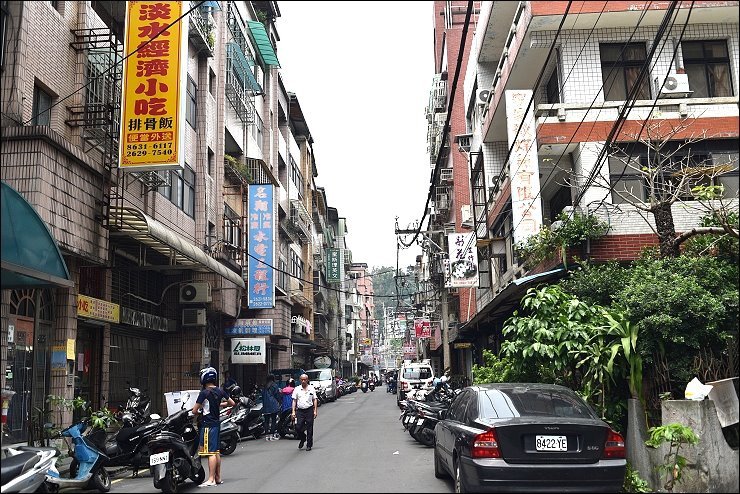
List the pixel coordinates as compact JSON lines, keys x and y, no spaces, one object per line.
{"x":671,"y":83}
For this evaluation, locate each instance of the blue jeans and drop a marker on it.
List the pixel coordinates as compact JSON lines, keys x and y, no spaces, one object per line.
{"x":270,"y":423}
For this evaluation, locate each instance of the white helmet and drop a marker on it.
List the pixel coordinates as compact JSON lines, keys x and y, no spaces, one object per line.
{"x":443,"y":379}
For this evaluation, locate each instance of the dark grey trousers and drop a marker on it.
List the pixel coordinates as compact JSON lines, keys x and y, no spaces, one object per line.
{"x":304,"y":425}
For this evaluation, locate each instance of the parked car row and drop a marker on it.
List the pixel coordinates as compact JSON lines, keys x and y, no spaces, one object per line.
{"x":506,"y":437}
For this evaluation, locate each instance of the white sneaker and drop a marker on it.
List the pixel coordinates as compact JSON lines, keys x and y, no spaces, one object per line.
{"x":268,"y":438}
{"x":277,"y":436}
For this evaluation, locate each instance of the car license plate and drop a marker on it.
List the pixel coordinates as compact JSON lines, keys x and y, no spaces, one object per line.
{"x":159,"y":458}
{"x":551,"y":443}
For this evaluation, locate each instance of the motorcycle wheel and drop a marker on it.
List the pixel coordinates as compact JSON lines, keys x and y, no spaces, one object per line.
{"x":168,"y":483}
{"x":228,"y":446}
{"x":101,"y":480}
{"x":200,"y":476}
{"x":48,"y":488}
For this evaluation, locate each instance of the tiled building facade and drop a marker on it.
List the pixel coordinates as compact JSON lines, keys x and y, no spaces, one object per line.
{"x":157,"y":261}
{"x":538,"y":101}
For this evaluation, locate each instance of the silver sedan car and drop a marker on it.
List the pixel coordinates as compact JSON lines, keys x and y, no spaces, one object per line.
{"x":506,"y":437}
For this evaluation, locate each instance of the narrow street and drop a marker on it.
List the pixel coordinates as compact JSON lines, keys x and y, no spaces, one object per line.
{"x":355,"y":439}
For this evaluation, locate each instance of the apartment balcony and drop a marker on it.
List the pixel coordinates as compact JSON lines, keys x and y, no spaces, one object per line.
{"x":202,"y":32}
{"x":300,"y":220}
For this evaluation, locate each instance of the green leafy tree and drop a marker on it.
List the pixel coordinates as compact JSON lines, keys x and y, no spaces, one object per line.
{"x":681,"y":305}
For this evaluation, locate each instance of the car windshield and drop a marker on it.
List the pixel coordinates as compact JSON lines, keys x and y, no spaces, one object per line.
{"x":319,"y":375}
{"x":417,"y":373}
{"x":522,"y":401}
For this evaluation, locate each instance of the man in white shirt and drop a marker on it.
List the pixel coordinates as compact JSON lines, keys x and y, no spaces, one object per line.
{"x":304,"y":403}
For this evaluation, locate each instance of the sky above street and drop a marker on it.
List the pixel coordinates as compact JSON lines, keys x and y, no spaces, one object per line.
{"x":362,"y":73}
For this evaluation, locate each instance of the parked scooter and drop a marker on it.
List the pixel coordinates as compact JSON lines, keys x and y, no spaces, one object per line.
{"x":364,"y":385}
{"x":127,"y":446}
{"x":91,"y":473}
{"x":136,"y":411}
{"x":174,"y":453}
{"x":25,"y":469}
{"x":286,"y":424}
{"x":251,"y":422}
{"x":229,"y":429}
{"x":371,"y":385}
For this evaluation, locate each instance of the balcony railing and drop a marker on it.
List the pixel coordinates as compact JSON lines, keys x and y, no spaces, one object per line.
{"x":300,"y":220}
{"x":202,"y":30}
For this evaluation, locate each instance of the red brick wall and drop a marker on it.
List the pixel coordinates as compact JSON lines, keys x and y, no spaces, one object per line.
{"x":558,"y":8}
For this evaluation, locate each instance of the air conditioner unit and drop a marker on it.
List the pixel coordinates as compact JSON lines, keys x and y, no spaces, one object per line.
{"x":482,"y":95}
{"x":466,"y":215}
{"x":193,"y":317}
{"x":676,"y":85}
{"x":195,"y":293}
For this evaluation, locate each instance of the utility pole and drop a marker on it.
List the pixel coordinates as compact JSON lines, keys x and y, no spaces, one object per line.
{"x":445,"y":316}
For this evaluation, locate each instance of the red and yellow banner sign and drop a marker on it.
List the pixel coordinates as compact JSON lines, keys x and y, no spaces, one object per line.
{"x":95,"y":308}
{"x":153,"y":87}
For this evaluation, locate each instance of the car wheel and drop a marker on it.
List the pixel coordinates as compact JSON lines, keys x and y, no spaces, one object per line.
{"x":459,"y":486}
{"x":439,"y":471}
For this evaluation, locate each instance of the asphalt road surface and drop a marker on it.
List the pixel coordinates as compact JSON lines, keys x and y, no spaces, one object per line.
{"x":359,"y":446}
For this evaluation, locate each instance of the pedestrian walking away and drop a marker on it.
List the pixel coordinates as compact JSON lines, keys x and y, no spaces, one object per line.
{"x":229,"y":383}
{"x":210,"y":400}
{"x":304,"y":403}
{"x":271,"y":402}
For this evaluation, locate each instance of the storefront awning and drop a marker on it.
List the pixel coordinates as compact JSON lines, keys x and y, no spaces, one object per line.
{"x":508,"y":299}
{"x":182,"y":253}
{"x":262,"y":40}
{"x":30,"y":255}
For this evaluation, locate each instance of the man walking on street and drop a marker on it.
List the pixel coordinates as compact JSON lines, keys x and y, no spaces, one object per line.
{"x":305,"y":410}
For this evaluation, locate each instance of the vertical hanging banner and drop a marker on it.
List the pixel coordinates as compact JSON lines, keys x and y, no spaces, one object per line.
{"x":463,"y":261}
{"x":422,"y":328}
{"x":154,"y":78}
{"x":333,"y":265}
{"x":261,"y":242}
{"x":526,"y":204}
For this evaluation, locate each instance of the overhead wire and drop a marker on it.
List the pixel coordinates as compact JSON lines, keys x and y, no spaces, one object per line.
{"x":588,"y":110}
{"x":102,"y":73}
{"x":438,"y":162}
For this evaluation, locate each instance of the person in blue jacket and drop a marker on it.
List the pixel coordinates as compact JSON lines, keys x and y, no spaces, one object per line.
{"x":272,"y":400}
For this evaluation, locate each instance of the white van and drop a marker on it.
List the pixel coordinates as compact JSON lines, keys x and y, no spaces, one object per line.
{"x":413,"y":373}
{"x":325,"y":378}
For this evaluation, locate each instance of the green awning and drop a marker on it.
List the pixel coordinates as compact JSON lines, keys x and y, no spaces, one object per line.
{"x":262,"y":40}
{"x":30,"y":255}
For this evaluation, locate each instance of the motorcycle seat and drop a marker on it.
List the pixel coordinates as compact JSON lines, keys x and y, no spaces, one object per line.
{"x":14,"y":466}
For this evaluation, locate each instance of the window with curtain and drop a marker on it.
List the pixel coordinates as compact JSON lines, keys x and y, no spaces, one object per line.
{"x":41,"y":107}
{"x":620,"y":66}
{"x":707,"y":65}
{"x":191,"y":108}
{"x":188,"y":191}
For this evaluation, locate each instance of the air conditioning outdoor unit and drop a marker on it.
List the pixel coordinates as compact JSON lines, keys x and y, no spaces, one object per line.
{"x":466,"y":215}
{"x":676,"y":85}
{"x":481,"y":96}
{"x":195,"y":293}
{"x":193,"y":317}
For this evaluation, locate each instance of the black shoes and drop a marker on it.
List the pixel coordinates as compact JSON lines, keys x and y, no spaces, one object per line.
{"x":300,"y":445}
{"x":308,"y":449}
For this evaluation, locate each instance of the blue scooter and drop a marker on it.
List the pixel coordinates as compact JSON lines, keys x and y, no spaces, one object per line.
{"x":90,"y":473}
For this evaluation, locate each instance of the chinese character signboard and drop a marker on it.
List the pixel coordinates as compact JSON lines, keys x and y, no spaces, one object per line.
{"x":94,"y":308}
{"x":153,"y":100}
{"x":332,"y":266}
{"x":261,"y":232}
{"x":248,"y":351}
{"x":463,"y":261}
{"x":245,"y":327}
{"x":422,"y":328}
{"x":526,"y":204}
